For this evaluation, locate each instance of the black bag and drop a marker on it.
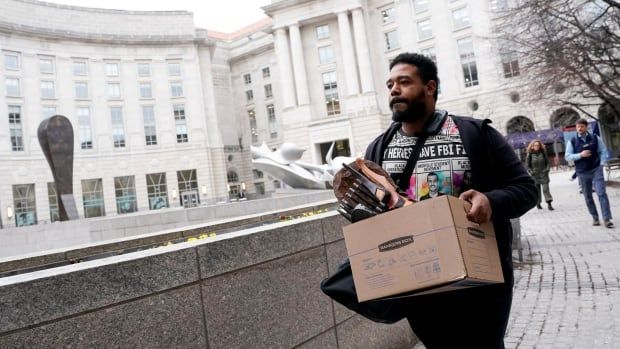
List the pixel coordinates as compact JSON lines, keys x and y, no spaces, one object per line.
{"x":340,"y":287}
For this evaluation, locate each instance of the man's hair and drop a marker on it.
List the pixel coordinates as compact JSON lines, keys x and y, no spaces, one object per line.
{"x":432,"y":174}
{"x":426,"y":67}
{"x":582,"y":121}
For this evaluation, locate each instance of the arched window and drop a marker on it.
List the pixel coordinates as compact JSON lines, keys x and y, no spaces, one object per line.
{"x":563,"y":117}
{"x":232,"y":176}
{"x":519,"y":124}
{"x":608,"y":114}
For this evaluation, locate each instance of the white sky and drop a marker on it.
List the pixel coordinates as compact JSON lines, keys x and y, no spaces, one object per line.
{"x":220,"y":15}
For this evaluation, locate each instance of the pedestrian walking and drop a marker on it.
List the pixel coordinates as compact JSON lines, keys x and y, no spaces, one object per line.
{"x":538,"y":166}
{"x":590,"y":154}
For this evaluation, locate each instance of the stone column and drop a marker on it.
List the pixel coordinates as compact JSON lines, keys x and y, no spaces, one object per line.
{"x":286,"y":74}
{"x":363,"y":53}
{"x":299,"y":65}
{"x":346,"y":45}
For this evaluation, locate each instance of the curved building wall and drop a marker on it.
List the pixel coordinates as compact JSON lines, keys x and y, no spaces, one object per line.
{"x":60,"y":70}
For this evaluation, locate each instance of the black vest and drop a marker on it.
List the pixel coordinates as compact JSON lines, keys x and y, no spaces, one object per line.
{"x":591,"y":143}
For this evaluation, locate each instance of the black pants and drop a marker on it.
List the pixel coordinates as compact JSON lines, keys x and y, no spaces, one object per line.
{"x":470,"y":318}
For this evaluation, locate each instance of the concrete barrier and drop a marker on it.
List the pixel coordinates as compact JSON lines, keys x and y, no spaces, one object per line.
{"x":42,"y":237}
{"x":257,"y":288}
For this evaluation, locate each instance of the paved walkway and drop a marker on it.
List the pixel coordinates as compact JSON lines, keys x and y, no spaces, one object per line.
{"x":567,"y":290}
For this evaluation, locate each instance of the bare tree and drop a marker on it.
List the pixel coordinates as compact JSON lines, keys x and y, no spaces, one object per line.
{"x":568,"y":50}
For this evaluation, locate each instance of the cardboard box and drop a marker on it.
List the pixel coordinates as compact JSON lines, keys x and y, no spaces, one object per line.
{"x":427,"y":247}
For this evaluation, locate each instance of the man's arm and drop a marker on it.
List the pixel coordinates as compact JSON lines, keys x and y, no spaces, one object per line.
{"x":603,"y":153}
{"x":516,"y":192}
{"x":569,"y":154}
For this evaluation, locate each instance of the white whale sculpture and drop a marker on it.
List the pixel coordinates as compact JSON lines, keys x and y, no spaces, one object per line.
{"x":284,"y":165}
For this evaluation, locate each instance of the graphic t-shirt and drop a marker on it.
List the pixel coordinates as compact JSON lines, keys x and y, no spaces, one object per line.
{"x":443,"y":167}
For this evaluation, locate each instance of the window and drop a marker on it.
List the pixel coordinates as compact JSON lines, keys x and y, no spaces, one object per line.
{"x":271,"y":117}
{"x":146,"y":90}
{"x":180,"y":123}
{"x":253,"y":126}
{"x":25,"y":204}
{"x":12,"y":87}
{"x":330,"y":87}
{"x":430,"y":53}
{"x":322,"y":32}
{"x":260,"y":188}
{"x":268,"y":91}
{"x":510,"y":62}
{"x":247,"y":79}
{"x":174,"y":68}
{"x":176,"y":88}
{"x":92,"y":197}
{"x":460,"y":18}
{"x":157,"y":190}
{"x":86,"y":138}
{"x":46,"y":65}
{"x":81,"y":90}
{"x":266,"y":72}
{"x":188,"y":187}
{"x":326,"y":55}
{"x":391,"y":40}
{"x":48,"y":111}
{"x":125,"y":189}
{"x":114,"y":90}
{"x":11,"y":61}
{"x":420,"y":5}
{"x":144,"y":69}
{"x":80,"y":68}
{"x":111,"y":69}
{"x":249,"y":96}
{"x":47,"y":89}
{"x":118,"y":127}
{"x":387,"y":15}
{"x":232,"y":176}
{"x":468,"y":61}
{"x":425,"y":30}
{"x":257,"y":174}
{"x":150,"y":130}
{"x":498,"y":5}
{"x":233,"y":190}
{"x":15,"y":128}
{"x":52,"y":199}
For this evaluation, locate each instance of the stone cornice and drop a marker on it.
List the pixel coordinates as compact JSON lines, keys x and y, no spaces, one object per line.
{"x":103,"y":10}
{"x":44,"y":33}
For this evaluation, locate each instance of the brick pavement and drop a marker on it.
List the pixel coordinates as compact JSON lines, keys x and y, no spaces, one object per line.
{"x":567,"y":290}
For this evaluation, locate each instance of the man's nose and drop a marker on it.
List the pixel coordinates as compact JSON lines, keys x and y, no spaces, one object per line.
{"x":395,"y":90}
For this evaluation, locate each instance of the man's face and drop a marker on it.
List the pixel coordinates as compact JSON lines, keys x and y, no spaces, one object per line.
{"x":467,"y":178}
{"x":581,"y":129}
{"x":408,"y":94}
{"x":432,"y":183}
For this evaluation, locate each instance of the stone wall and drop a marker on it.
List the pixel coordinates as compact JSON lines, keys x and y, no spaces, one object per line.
{"x":257,"y":288}
{"x":61,"y":236}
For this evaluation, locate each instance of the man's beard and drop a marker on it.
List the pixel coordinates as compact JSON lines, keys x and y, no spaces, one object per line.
{"x":416,"y":110}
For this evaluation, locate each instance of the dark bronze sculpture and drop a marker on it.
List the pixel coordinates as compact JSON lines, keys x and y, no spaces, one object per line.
{"x":56,"y":138}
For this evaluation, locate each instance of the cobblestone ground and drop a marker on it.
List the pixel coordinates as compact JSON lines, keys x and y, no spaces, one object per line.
{"x":567,"y":289}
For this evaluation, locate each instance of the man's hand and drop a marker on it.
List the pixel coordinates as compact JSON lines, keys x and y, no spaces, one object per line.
{"x":480,"y":211}
{"x":585,"y":153}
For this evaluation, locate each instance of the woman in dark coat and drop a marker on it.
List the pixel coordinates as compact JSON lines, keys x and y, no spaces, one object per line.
{"x":538,"y":166}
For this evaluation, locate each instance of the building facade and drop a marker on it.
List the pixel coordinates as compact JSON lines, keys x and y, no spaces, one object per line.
{"x":164,"y":113}
{"x":133,"y":86}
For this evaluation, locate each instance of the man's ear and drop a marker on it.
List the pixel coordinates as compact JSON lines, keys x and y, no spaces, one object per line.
{"x":431,"y":87}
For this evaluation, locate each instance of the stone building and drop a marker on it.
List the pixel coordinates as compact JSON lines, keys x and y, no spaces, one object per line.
{"x":164,"y":113}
